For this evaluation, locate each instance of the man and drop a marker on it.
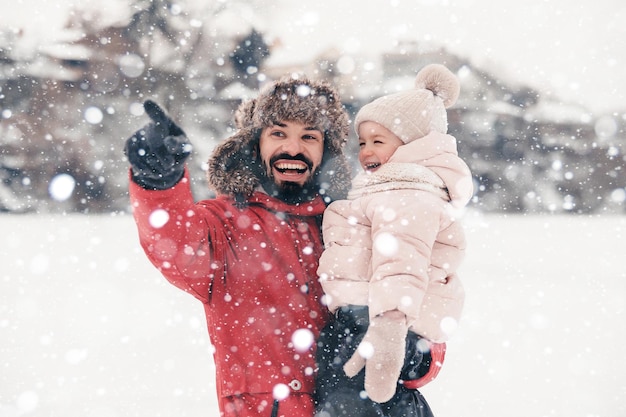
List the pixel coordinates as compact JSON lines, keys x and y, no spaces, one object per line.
{"x":251,"y":254}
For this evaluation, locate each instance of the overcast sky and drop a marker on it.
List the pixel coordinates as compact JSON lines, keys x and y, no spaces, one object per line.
{"x":572,"y":50}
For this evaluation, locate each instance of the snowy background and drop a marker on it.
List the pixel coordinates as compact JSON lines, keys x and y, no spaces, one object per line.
{"x":541,"y":119}
{"x":89,"y":328}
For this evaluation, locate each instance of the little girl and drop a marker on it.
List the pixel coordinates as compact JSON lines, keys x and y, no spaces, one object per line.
{"x":392,"y":252}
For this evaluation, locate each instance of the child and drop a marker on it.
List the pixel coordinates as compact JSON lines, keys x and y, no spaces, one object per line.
{"x":392,"y":252}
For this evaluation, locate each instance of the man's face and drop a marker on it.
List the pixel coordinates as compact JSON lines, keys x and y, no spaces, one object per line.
{"x":291,"y":153}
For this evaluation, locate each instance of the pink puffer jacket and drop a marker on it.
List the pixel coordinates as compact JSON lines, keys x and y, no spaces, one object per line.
{"x":395,"y":242}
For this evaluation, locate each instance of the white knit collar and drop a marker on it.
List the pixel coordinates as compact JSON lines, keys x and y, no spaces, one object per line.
{"x":395,"y":176}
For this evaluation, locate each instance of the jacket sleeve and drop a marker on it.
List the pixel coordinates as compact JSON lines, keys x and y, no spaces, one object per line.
{"x":404,"y":230}
{"x":344,"y":264}
{"x":174,"y":233}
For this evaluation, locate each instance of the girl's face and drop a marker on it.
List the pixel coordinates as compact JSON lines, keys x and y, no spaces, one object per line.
{"x":376,"y":145}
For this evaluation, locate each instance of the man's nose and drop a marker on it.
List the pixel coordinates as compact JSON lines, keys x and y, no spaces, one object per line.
{"x":292,"y":146}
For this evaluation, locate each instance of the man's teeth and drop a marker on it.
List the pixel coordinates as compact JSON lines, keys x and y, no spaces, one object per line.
{"x":285,"y":166}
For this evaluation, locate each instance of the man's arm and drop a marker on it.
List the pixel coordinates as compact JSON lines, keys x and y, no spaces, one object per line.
{"x":172,"y":233}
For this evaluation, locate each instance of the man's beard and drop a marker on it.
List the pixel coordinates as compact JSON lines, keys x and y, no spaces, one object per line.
{"x":287,"y":191}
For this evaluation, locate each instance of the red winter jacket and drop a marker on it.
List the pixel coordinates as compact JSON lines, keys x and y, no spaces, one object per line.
{"x":253,"y":268}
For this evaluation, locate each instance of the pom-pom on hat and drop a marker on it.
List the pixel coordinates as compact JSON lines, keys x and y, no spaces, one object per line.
{"x":414,"y":113}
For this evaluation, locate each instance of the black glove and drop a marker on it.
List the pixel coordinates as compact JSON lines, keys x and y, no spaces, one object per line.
{"x":157,"y":152}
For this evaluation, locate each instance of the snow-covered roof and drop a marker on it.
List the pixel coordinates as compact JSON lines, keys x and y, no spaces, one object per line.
{"x":502,"y":107}
{"x":559,"y":112}
{"x":48,"y":69}
{"x":370,"y":89}
{"x":397,"y":84}
{"x":67,"y":51}
{"x":237,"y":91}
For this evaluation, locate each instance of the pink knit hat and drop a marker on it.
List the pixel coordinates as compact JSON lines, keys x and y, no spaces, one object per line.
{"x":413,"y":114}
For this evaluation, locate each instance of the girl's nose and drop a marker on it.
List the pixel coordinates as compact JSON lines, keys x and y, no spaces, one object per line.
{"x":365,"y":150}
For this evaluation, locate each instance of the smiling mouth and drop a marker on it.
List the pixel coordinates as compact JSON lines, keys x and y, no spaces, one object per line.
{"x":293,"y":167}
{"x":372,"y":166}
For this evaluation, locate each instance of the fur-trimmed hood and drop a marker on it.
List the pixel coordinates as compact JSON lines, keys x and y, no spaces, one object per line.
{"x":235,"y":163}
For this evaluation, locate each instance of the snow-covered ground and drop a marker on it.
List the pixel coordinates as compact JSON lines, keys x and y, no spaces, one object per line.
{"x":89,"y":328}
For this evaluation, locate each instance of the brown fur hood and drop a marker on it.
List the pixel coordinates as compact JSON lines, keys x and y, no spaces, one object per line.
{"x":234,"y":165}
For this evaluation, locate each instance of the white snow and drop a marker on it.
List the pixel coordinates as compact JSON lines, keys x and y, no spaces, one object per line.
{"x":89,"y":328}
{"x":61,"y":187}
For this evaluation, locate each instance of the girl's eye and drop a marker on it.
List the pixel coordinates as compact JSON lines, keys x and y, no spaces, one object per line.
{"x":361,"y":144}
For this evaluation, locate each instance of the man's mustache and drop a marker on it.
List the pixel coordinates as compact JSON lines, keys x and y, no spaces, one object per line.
{"x":298,"y":157}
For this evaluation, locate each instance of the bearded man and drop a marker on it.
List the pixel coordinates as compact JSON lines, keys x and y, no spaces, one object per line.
{"x":250,"y":255}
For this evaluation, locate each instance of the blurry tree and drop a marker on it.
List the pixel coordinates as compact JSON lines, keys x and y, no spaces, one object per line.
{"x":248,"y":56}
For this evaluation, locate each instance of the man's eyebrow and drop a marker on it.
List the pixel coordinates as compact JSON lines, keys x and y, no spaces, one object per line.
{"x":281,"y":124}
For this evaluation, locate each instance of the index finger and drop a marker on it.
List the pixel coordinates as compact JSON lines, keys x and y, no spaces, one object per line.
{"x":156,"y":113}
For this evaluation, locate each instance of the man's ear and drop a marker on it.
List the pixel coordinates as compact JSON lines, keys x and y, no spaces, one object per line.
{"x":255,"y":157}
{"x":255,"y":147}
